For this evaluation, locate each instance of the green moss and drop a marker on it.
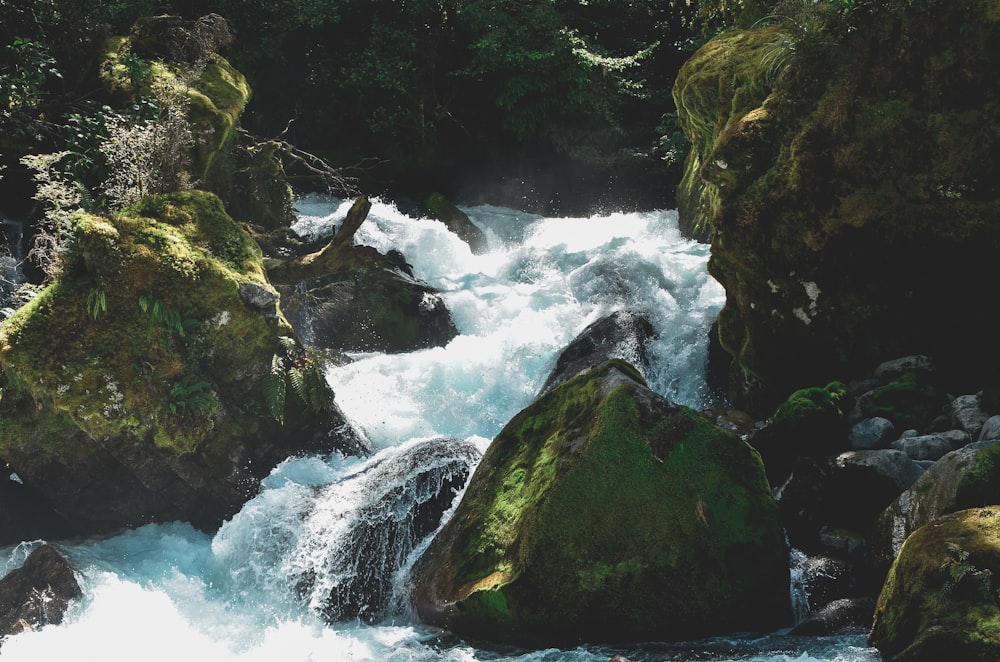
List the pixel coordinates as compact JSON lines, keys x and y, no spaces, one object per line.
{"x":598,"y":507}
{"x":169,"y":270}
{"x":980,"y":485}
{"x":906,"y":402}
{"x":934,"y":603}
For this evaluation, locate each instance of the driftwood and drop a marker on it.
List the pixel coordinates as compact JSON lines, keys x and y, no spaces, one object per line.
{"x":338,"y":255}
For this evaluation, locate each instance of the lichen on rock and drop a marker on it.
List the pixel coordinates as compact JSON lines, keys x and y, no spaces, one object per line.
{"x":603,"y":511}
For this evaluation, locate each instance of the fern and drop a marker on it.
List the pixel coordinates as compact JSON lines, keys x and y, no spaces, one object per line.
{"x":97,"y":302}
{"x":166,"y":316}
{"x":274,"y":389}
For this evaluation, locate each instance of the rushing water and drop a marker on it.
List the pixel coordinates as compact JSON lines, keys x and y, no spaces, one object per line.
{"x":169,"y":592}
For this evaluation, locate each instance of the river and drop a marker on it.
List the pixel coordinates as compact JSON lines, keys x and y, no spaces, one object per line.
{"x":170,"y":592}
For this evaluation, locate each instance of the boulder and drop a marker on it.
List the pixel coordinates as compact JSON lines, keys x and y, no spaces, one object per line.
{"x":940,"y":599}
{"x":967,"y":412}
{"x":909,"y":401}
{"x":605,"y":512}
{"x":871,"y":433}
{"x":348,"y":561}
{"x":621,"y":335}
{"x":990,"y":430}
{"x":847,"y":492}
{"x":837,"y":616}
{"x":809,"y":423}
{"x":829,"y":164}
{"x":965,"y":478}
{"x":144,"y":385}
{"x":38,"y":593}
{"x":353,"y":298}
{"x":931,"y":446}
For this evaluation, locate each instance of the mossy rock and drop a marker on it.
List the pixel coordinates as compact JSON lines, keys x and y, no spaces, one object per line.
{"x":156,"y":378}
{"x":966,"y":478}
{"x":456,"y":220}
{"x":604,"y":512}
{"x":940,"y":599}
{"x":850,"y":180}
{"x":908,"y":402}
{"x":810,"y":423}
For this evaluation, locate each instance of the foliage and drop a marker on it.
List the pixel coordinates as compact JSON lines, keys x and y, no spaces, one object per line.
{"x":963,"y":572}
{"x":295,"y":366}
{"x":61,"y":195}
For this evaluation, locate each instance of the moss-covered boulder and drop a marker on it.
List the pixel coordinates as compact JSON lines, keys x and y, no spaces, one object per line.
{"x":810,"y":423}
{"x":848,"y":170}
{"x":940,"y":600}
{"x":605,"y":512}
{"x":156,"y":378}
{"x":965,"y":478}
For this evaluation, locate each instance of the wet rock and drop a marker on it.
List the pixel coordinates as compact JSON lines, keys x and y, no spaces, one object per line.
{"x":458,"y":222}
{"x":931,"y":446}
{"x":38,"y":593}
{"x":621,"y":335}
{"x":871,"y":433}
{"x":837,"y":616}
{"x":605,"y":512}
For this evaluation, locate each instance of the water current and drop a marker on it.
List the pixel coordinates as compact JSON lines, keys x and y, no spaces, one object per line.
{"x":170,"y":592}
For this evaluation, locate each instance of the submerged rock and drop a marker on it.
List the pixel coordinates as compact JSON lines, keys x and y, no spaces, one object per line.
{"x":620,"y":335}
{"x":38,"y":593}
{"x":940,"y":599}
{"x":605,"y":512}
{"x":142,"y":385}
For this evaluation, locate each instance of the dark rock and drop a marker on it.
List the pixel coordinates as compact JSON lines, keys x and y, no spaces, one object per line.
{"x":174,"y":38}
{"x":38,"y":593}
{"x":990,"y":430}
{"x":604,"y":512}
{"x":621,"y":335}
{"x":931,"y":446}
{"x":890,"y":371}
{"x":967,"y":413}
{"x":458,"y":222}
{"x":837,"y":616}
{"x":351,"y":575}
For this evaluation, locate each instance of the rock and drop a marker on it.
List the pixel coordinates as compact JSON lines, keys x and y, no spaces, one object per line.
{"x":605,"y":512}
{"x":837,"y":616}
{"x":188,"y":64}
{"x":38,"y":593}
{"x":908,"y":402}
{"x":819,"y":174}
{"x":25,"y":514}
{"x":932,"y":446}
{"x":349,"y":560}
{"x":890,"y":371}
{"x":144,"y":387}
{"x":871,"y":433}
{"x":259,"y":193}
{"x":353,"y":298}
{"x":990,"y":430}
{"x":810,"y":423}
{"x":848,"y":492}
{"x":369,"y":310}
{"x":458,"y":222}
{"x":939,"y":601}
{"x":968,"y":414}
{"x":620,"y":335}
{"x":964,"y":478}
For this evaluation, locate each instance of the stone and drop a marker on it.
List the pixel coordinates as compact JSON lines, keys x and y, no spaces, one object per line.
{"x":967,"y":412}
{"x":871,"y":433}
{"x":621,"y":335}
{"x":838,"y":616}
{"x":932,"y":446}
{"x":964,"y":478}
{"x":38,"y":593}
{"x":605,"y":512}
{"x":990,"y":430}
{"x":458,"y":222}
{"x":890,"y":371}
